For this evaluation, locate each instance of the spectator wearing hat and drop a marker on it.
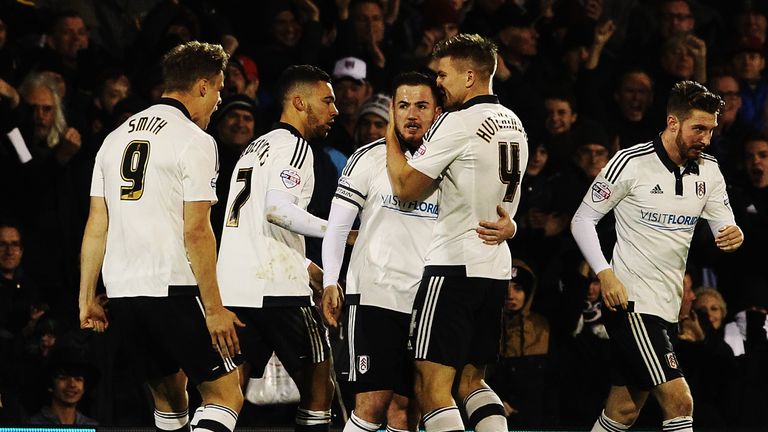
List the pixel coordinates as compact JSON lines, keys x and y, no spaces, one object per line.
{"x":372,"y":119}
{"x":70,"y":376}
{"x":241,"y":77}
{"x":523,"y":377}
{"x":352,"y":90}
{"x":234,"y":127}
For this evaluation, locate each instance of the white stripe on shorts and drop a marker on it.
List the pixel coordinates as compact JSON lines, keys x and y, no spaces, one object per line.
{"x":427,"y":316}
{"x":351,"y":320}
{"x":646,"y":349}
{"x":315,"y":339}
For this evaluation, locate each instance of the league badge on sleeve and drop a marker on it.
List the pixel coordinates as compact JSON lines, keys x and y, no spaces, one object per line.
{"x":701,"y":189}
{"x":601,"y":191}
{"x":290,"y":178}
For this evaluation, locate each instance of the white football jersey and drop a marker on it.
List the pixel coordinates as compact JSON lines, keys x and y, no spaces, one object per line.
{"x":261,"y":264}
{"x":145,"y":170}
{"x":388,"y":258}
{"x":481,"y":152}
{"x":657,"y":205}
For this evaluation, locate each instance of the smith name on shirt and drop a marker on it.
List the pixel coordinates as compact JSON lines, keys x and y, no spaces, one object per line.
{"x":144,"y":123}
{"x":426,"y":209}
{"x":496,"y":122}
{"x":668,"y":218}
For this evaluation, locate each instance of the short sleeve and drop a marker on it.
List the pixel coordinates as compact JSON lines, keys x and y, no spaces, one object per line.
{"x":97,"y":179}
{"x":355,"y":181}
{"x":718,"y":206}
{"x":443,"y":143}
{"x":291,"y":168}
{"x":199,"y":171}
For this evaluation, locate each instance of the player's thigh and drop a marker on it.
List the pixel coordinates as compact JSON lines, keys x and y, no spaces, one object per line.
{"x":642,"y":350}
{"x":377,"y":350}
{"x":176,"y":326}
{"x":298,"y":337}
{"x":486,"y":337}
{"x":443,"y":317}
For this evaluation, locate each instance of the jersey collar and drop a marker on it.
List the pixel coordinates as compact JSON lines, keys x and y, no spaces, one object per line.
{"x":691,"y":167}
{"x":289,"y":128}
{"x":479,"y":100}
{"x":176,"y":104}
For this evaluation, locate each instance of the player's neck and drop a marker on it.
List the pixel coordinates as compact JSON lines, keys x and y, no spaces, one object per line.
{"x":479,"y":89}
{"x":189,"y":103}
{"x":293,"y":119}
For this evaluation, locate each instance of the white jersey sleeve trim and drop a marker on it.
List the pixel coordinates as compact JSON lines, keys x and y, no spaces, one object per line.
{"x":281,"y":210}
{"x":584,"y":232}
{"x":340,"y":222}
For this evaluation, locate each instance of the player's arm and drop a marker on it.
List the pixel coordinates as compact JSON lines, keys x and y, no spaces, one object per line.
{"x":583,"y":228}
{"x":408,"y":183}
{"x":340,"y":223}
{"x":92,"y":315}
{"x":283,"y":211}
{"x":201,"y":250}
{"x":719,"y":215}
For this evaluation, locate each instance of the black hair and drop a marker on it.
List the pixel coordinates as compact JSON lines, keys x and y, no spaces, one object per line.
{"x":414,"y":78}
{"x":687,"y":96}
{"x":297,"y":75}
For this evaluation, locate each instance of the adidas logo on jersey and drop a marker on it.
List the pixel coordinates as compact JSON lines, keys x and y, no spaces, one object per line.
{"x":657,"y":190}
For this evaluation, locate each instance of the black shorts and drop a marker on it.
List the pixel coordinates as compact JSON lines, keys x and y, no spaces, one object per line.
{"x":295,"y":333}
{"x":376,"y":355}
{"x":641,"y":345}
{"x":457,"y":318}
{"x":168,"y":333}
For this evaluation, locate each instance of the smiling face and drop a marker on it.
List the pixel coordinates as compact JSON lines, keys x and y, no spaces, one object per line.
{"x":415,"y":110}
{"x":560,"y":116}
{"x":693,"y":135}
{"x":68,"y":390}
{"x":711,"y":305}
{"x":320,"y":110}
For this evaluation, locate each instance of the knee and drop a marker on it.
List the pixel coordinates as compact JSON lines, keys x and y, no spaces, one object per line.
{"x":625,"y":413}
{"x":682,"y":406}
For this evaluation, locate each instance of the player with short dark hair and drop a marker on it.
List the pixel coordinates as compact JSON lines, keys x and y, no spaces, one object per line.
{"x":263,"y":270}
{"x":149,"y":227}
{"x":479,"y":150}
{"x":658,"y":191}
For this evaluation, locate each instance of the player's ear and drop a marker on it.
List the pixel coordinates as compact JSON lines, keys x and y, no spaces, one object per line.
{"x":470,"y":78}
{"x":202,"y":85}
{"x":672,"y":123}
{"x":298,"y":102}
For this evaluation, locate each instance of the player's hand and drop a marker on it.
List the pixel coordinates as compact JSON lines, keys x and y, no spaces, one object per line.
{"x":221,"y":324}
{"x":729,"y":238}
{"x":333,"y":301}
{"x":352,"y":237}
{"x":496,"y":232}
{"x":93,"y":317}
{"x":614,"y":292}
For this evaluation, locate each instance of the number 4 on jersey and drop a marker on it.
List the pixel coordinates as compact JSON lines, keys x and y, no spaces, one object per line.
{"x":509,"y":168}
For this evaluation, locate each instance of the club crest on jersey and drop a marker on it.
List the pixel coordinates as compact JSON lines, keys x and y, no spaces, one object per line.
{"x":701,"y":189}
{"x":600,"y":192}
{"x":290,"y":178}
{"x":671,"y":360}
{"x":363,"y":363}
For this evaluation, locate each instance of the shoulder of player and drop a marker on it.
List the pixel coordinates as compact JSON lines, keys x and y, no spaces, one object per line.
{"x":364,"y":155}
{"x":627,"y":158}
{"x":446,"y":123}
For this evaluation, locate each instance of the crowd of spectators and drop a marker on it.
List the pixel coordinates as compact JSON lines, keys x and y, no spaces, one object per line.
{"x":586,"y":77}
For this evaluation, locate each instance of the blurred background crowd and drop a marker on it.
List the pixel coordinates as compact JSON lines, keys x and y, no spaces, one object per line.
{"x":586,"y":77}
